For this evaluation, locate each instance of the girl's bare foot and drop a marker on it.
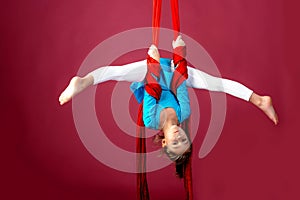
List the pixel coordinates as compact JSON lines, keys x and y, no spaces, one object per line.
{"x":153,"y":52}
{"x":265,"y":104}
{"x":74,"y":87}
{"x":178,"y":42}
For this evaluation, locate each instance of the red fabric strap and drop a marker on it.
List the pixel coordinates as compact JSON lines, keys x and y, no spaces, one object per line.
{"x":142,"y":186}
{"x":154,"y":89}
{"x":181,"y":74}
{"x":180,"y":63}
{"x":187,"y":177}
{"x":152,"y":86}
{"x":175,"y":18}
{"x":156,"y":21}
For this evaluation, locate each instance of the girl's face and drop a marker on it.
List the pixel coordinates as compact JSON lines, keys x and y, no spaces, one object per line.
{"x":176,"y":140}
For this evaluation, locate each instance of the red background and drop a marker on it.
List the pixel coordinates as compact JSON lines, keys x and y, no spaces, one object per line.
{"x":42,"y":46}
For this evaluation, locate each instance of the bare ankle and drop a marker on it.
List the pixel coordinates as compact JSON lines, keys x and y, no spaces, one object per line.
{"x":86,"y":81}
{"x":256,"y":99}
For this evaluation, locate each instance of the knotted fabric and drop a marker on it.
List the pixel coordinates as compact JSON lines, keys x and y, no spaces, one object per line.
{"x":152,"y":77}
{"x":180,"y":63}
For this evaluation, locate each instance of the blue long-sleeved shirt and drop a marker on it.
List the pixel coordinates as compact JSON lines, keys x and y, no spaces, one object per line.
{"x":152,"y":108}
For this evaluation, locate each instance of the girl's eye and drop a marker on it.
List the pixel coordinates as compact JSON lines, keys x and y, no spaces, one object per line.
{"x":175,"y":143}
{"x":183,"y":140}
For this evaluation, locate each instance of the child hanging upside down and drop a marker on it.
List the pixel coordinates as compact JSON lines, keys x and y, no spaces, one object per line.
{"x":160,"y":86}
{"x":136,"y":72}
{"x":170,"y":110}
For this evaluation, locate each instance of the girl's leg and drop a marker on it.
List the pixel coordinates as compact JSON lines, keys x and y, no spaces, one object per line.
{"x":201,"y":80}
{"x":131,"y":72}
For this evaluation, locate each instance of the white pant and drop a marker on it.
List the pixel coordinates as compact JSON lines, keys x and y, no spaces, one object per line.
{"x":135,"y":72}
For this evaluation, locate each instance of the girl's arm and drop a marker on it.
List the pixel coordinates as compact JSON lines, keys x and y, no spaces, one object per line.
{"x":151,"y":109}
{"x":184,"y":102}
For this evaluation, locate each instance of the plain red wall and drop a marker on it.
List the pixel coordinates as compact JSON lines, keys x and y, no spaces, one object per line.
{"x":43,"y":43}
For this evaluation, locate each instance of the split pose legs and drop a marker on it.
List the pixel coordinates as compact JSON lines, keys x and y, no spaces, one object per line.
{"x":135,"y":72}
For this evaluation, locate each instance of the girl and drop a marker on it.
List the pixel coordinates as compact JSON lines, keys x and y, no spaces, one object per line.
{"x":170,"y":110}
{"x":166,"y":106}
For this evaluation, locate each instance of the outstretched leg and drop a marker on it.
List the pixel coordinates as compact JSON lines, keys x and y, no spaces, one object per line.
{"x":265,"y":104}
{"x":201,"y":80}
{"x":132,"y":72}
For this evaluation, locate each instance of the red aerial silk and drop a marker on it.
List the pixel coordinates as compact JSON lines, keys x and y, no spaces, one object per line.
{"x":156,"y":21}
{"x":154,"y":89}
{"x":153,"y":71}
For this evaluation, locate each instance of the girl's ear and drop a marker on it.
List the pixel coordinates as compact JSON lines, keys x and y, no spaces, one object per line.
{"x":163,"y":142}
